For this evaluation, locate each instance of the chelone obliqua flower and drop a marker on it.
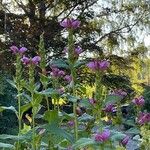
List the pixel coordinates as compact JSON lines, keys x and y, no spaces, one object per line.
{"x":15,"y":50}
{"x":98,"y":65}
{"x":143,"y":118}
{"x":139,"y":101}
{"x":35,"y":60}
{"x":70,"y":23}
{"x":125,"y":140}
{"x":102,"y":137}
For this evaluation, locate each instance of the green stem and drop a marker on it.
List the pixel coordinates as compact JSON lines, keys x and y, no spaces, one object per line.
{"x":73,"y":75}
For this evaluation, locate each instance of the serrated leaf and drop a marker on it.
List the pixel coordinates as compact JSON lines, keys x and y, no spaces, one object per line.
{"x":112,"y":99}
{"x":53,"y":129}
{"x":51,"y":116}
{"x":81,"y":143}
{"x":85,"y":103}
{"x":8,"y":146}
{"x":72,"y":98}
{"x":133,"y":131}
{"x":85,"y":117}
{"x":117,"y":136}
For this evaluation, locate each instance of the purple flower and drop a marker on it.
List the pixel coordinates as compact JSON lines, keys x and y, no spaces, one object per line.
{"x":92,"y":65}
{"x":125,"y":140}
{"x":110,"y":108}
{"x":70,"y":23}
{"x":78,"y":50}
{"x":104,"y":65}
{"x":35,"y":60}
{"x":68,"y":78}
{"x":14,"y":49}
{"x":22,"y":50}
{"x":101,"y":65}
{"x":25,"y":60}
{"x":71,"y":123}
{"x":61,"y":73}
{"x":143,"y":118}
{"x":92,"y":101}
{"x":102,"y":137}
{"x":139,"y":101}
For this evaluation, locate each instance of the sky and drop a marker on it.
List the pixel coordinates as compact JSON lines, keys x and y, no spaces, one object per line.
{"x":102,"y":3}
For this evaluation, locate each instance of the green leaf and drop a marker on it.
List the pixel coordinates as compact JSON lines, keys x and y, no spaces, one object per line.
{"x":85,"y":117}
{"x":117,"y":136}
{"x":51,"y":116}
{"x":5,"y":145}
{"x":48,"y":91}
{"x":85,"y":103}
{"x":112,"y":99}
{"x":133,"y":131}
{"x":2,"y":108}
{"x":81,"y":143}
{"x":54,"y":129}
{"x":12,"y":83}
{"x":72,"y":98}
{"x":25,"y":108}
{"x":60,"y":63}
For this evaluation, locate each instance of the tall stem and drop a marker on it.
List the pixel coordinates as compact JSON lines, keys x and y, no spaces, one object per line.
{"x":73,"y":75}
{"x":17,"y":82}
{"x":31,"y":82}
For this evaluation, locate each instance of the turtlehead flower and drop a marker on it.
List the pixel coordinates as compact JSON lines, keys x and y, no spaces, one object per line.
{"x":110,"y":108}
{"x":125,"y":140}
{"x":35,"y":60}
{"x":22,"y":50}
{"x":71,"y":123}
{"x":139,"y":101}
{"x":78,"y":50}
{"x":57,"y":72}
{"x":92,"y":101}
{"x":25,"y":60}
{"x":143,"y":118}
{"x":102,"y":137}
{"x":68,"y":78}
{"x":14,"y":49}
{"x":70,"y":23}
{"x":101,"y":65}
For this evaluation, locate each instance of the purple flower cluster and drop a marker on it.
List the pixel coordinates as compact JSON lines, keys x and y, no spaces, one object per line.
{"x":119,"y":92}
{"x":15,"y":50}
{"x":110,"y":108}
{"x":143,"y":118}
{"x":35,"y":60}
{"x":125,"y":140}
{"x":57,"y":72}
{"x":102,"y":137}
{"x":139,"y":101}
{"x":68,"y":78}
{"x":98,"y":65}
{"x":70,"y":23}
